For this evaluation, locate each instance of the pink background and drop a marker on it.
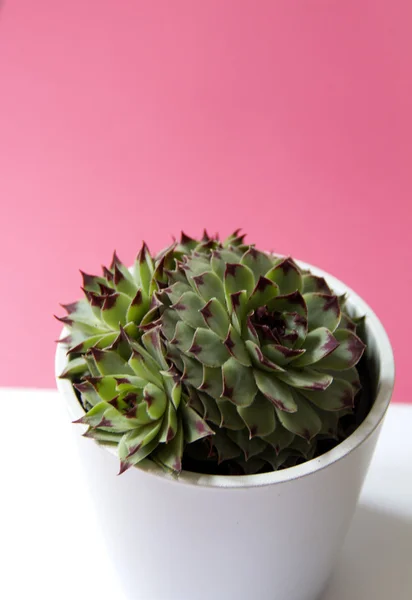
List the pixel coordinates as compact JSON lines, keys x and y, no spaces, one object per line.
{"x":128,"y":120}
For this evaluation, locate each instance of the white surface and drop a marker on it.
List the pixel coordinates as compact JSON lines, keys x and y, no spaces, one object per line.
{"x":51,"y":547}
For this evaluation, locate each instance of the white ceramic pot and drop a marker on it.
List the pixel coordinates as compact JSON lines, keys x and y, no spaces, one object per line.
{"x":273,"y":536}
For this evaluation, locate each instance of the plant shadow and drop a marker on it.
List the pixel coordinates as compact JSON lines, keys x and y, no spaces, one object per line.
{"x":376,"y":559}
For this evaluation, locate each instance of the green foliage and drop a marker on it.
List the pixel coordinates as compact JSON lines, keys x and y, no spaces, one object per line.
{"x":213,"y":351}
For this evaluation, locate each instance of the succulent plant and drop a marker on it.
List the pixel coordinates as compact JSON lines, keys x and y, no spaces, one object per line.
{"x":138,"y":403}
{"x":244,"y":357}
{"x":118,"y":299}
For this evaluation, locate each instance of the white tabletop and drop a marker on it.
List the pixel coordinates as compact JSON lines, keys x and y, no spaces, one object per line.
{"x":51,"y":547}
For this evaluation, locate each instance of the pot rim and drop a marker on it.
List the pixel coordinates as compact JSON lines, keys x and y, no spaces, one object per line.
{"x":385,"y":360}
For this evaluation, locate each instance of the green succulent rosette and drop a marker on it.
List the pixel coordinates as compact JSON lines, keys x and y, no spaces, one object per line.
{"x":260,"y":354}
{"x":119,"y":298}
{"x":134,"y":400}
{"x":267,"y":350}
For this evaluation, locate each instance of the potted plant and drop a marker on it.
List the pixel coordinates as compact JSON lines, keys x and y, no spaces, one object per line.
{"x":235,"y":388}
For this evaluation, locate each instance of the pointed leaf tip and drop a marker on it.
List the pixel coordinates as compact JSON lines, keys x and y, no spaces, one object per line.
{"x":110,"y":301}
{"x":64,"y":320}
{"x":118,"y":276}
{"x":107,"y":274}
{"x":124,"y":466}
{"x":97,"y":353}
{"x":323,"y":310}
{"x":88,"y":280}
{"x":92,"y":298}
{"x":81,"y":387}
{"x":142,"y":253}
{"x":347,"y":354}
{"x":115,"y":261}
{"x":70,"y":308}
{"x":185,"y":239}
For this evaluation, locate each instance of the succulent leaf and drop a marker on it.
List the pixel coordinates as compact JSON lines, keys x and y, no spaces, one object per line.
{"x":187,"y":243}
{"x":238,"y":383}
{"x":193,"y":372}
{"x":169,"y":320}
{"x":250,"y":331}
{"x":88,"y":394}
{"x":338,"y":396}
{"x":170,"y":425}
{"x":226,"y":449}
{"x":176,"y":291}
{"x":280,"y":438}
{"x":318,"y":344}
{"x":304,"y":422}
{"x":216,"y":317}
{"x":106,"y":387}
{"x":170,"y":454}
{"x":330,"y":423}
{"x":211,"y":409}
{"x":235,"y":239}
{"x":286,"y":274}
{"x":348,"y":353}
{"x":155,"y":399}
{"x":296,"y":329}
{"x":91,"y":365}
{"x":308,"y":379}
{"x":154,"y":345}
{"x":123,"y":281}
{"x":313,"y":283}
{"x":137,"y":457}
{"x":137,"y":308}
{"x":264,"y":292}
{"x":260,"y":360}
{"x":193,"y":265}
{"x":289,"y":303}
{"x":91,"y":283}
{"x":104,"y":415}
{"x":208,"y":348}
{"x":212,"y":381}
{"x":275,"y":391}
{"x":230,"y":415}
{"x":351,"y":375}
{"x":323,"y":310}
{"x":173,"y":386}
{"x":194,"y":426}
{"x":188,"y":307}
{"x":109,"y":362}
{"x":104,"y":437}
{"x":209,"y":286}
{"x":347,"y":323}
{"x":249,"y":446}
{"x":282,"y":355}
{"x":143,"y":367}
{"x":238,"y":278}
{"x":259,"y":417}
{"x":144,"y":268}
{"x":219,"y":259}
{"x":129,"y":383}
{"x":114,"y":310}
{"x":138,"y":438}
{"x":258,"y":262}
{"x":236,"y":346}
{"x":77,"y":366}
{"x":238,"y":308}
